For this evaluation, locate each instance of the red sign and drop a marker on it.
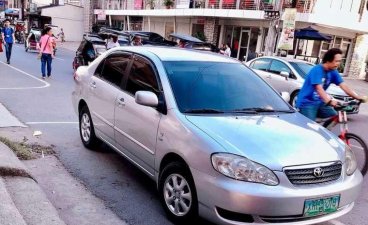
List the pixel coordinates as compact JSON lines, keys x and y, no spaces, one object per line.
{"x":138,"y":4}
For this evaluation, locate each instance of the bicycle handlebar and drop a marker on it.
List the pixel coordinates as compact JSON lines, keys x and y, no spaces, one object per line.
{"x":343,"y":106}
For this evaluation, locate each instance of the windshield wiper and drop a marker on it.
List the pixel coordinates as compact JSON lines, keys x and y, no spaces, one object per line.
{"x":259,"y":109}
{"x":212,"y":111}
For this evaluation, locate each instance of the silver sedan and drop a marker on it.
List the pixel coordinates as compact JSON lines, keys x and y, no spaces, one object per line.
{"x":288,"y":74}
{"x":218,"y":140}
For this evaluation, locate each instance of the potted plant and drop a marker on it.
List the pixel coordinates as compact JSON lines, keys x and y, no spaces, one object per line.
{"x":168,"y":3}
{"x":150,"y":4}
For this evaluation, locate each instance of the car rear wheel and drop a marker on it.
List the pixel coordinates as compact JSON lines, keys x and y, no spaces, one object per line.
{"x":178,"y":194}
{"x":86,"y":129}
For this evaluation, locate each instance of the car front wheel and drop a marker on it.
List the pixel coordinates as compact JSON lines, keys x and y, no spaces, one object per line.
{"x":178,"y":193}
{"x":294,"y":98}
{"x":86,"y":128}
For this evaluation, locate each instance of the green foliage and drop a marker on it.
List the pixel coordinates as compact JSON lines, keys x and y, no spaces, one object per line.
{"x":168,"y":3}
{"x":201,"y":36}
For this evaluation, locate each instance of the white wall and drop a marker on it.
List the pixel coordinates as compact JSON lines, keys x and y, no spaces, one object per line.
{"x":42,"y":2}
{"x":68,"y":17}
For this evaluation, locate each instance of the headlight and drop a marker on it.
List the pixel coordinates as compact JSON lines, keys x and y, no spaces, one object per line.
{"x":241,"y":168}
{"x":350,"y":161}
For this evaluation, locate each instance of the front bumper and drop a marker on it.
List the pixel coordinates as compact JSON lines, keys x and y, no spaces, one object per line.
{"x":283,"y":203}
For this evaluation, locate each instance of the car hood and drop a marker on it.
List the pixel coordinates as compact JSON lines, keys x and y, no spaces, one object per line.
{"x":275,"y":141}
{"x":335,"y":90}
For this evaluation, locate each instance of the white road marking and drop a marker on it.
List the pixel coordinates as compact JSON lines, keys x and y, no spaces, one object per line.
{"x":335,"y":222}
{"x":27,"y":74}
{"x":31,"y":123}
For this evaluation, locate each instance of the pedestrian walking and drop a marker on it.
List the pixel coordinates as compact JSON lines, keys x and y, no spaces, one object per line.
{"x":46,"y":51}
{"x":62,"y":35}
{"x":8,"y":38}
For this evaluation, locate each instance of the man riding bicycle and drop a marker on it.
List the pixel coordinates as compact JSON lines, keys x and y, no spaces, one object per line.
{"x":313,"y":101}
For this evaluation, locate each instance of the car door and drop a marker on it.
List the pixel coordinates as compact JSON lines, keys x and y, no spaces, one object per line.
{"x":261,"y":66}
{"x":277,"y":81}
{"x":136,"y":125}
{"x":104,"y":89}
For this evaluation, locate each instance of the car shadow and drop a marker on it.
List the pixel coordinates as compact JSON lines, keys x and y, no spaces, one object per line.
{"x":138,"y":195}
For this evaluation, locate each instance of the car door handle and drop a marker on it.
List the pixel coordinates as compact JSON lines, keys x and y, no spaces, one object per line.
{"x":93,"y":85}
{"x":121,"y":102}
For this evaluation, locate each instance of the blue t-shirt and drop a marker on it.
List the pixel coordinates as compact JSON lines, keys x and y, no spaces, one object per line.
{"x":8,"y":34}
{"x":308,"y":94}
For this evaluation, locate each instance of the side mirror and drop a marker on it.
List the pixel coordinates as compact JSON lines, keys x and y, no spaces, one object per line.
{"x":285,"y":96}
{"x":285,"y":74}
{"x":146,"y":98}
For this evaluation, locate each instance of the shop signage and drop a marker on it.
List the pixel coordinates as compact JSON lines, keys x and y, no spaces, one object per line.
{"x":101,"y":14}
{"x":138,"y":4}
{"x":32,"y":7}
{"x":286,"y":41}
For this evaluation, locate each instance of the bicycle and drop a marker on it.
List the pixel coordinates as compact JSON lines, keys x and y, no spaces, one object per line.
{"x":356,"y":143}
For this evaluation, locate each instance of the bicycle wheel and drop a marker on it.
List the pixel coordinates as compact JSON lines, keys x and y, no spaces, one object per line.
{"x":359,"y":147}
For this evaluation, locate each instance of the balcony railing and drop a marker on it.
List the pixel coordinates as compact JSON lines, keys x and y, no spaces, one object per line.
{"x":302,"y":6}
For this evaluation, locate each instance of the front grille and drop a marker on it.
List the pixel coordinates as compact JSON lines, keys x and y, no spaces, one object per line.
{"x":307,"y":176}
{"x":343,"y":98}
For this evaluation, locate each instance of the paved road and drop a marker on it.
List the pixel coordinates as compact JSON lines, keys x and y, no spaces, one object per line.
{"x":46,"y":106}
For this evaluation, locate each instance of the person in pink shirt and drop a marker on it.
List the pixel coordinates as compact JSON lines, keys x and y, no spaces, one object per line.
{"x":46,"y":51}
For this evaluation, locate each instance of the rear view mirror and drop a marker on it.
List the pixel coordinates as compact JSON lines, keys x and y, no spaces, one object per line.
{"x":285,"y":74}
{"x":285,"y":96}
{"x":146,"y":98}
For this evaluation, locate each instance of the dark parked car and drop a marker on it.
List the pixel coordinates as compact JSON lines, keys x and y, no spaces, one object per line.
{"x":194,"y":43}
{"x":151,"y":38}
{"x":90,"y":47}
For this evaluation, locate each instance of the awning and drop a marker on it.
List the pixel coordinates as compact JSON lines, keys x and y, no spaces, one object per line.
{"x":310,"y":33}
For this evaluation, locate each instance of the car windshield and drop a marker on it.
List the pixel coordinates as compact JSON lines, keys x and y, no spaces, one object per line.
{"x":302,"y":68}
{"x":216,"y":87}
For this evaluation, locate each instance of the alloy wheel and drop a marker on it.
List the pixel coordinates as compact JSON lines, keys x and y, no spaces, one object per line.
{"x":86,"y":127}
{"x":177,"y":194}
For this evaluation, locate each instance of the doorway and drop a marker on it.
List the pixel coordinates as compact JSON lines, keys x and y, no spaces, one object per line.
{"x":243,"y":45}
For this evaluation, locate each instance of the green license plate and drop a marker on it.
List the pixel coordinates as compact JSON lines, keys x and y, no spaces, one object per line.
{"x":320,"y":206}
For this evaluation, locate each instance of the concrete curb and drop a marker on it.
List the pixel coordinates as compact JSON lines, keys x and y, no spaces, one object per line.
{"x":23,"y":202}
{"x":10,"y":165}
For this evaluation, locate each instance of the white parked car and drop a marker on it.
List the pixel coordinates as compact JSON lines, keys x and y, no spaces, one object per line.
{"x":287,"y":75}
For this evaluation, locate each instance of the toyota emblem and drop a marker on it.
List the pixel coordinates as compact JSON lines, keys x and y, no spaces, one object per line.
{"x":318,"y":172}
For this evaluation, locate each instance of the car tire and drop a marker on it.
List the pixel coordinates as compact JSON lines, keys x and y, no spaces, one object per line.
{"x":179,"y":200}
{"x":294,"y":98}
{"x":86,"y":129}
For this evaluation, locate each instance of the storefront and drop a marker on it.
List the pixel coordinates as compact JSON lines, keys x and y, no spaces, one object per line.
{"x":242,"y":41}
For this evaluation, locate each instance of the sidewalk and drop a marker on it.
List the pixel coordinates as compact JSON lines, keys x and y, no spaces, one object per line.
{"x":360,"y":86}
{"x":23,"y":201}
{"x":41,"y":191}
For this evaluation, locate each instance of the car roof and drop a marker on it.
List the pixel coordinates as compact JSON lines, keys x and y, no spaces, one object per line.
{"x":178,"y":54}
{"x":284,"y":59}
{"x":94,"y":40}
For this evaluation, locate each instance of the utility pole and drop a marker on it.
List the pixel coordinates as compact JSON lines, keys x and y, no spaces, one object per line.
{"x":274,"y":18}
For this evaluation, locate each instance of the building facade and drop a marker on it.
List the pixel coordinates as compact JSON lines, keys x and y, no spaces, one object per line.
{"x":242,"y":25}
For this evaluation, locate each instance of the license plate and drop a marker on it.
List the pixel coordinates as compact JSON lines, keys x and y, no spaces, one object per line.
{"x":320,"y":206}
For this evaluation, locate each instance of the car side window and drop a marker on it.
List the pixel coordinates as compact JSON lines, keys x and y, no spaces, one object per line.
{"x":99,"y":69}
{"x":261,"y":64}
{"x":114,"y":68}
{"x":155,"y":37}
{"x":142,"y":77}
{"x":277,"y":67}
